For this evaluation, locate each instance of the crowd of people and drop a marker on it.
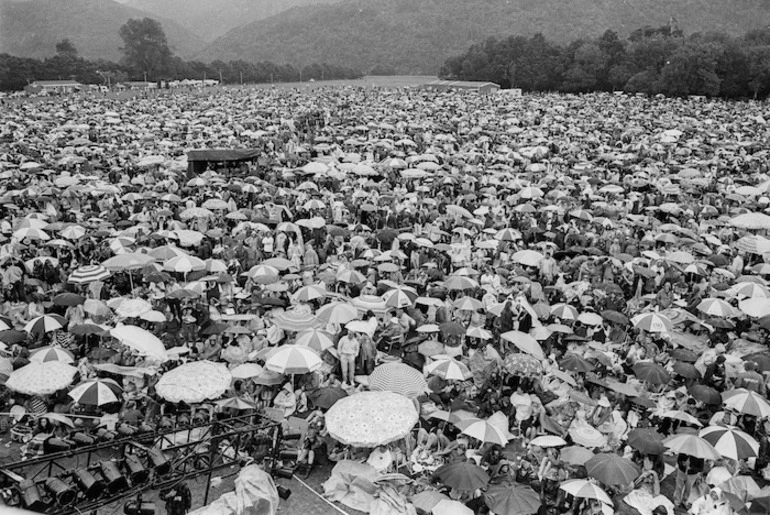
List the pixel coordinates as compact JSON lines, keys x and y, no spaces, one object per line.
{"x":570,"y":289}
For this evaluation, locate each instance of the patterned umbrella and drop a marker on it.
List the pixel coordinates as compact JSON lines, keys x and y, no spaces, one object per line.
{"x":369,"y":419}
{"x":653,"y":323}
{"x":730,"y":442}
{"x":316,"y":339}
{"x":45,"y":324}
{"x":450,"y":370}
{"x":398,"y":378}
{"x":194,"y":382}
{"x":41,"y":378}
{"x":52,"y":353}
{"x":585,"y":489}
{"x":564,"y":312}
{"x":612,"y":469}
{"x":293,"y":359}
{"x":747,"y":402}
{"x":293,"y":321}
{"x":97,"y":392}
{"x":400,"y":297}
{"x":246,"y":371}
{"x":523,"y":364}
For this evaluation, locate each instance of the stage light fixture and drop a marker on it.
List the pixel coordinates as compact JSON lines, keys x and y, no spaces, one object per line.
{"x":63,"y":493}
{"x":115,"y":480}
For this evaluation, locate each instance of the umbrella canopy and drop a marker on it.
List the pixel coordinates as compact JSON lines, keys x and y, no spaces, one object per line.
{"x":512,"y":499}
{"x":316,"y":339}
{"x":141,"y":340}
{"x":246,"y":371}
{"x":398,"y":378}
{"x":450,"y":507}
{"x":45,"y":324}
{"x":449,"y":369}
{"x":293,"y":321}
{"x":576,"y":455}
{"x":525,"y":343}
{"x":195,"y":381}
{"x":68,"y":299}
{"x":523,"y":364}
{"x":651,"y":372}
{"x":747,"y":402}
{"x":730,"y":442}
{"x":463,"y":476}
{"x":52,"y":353}
{"x":369,"y":419}
{"x":692,"y":445}
{"x":127,"y":261}
{"x":646,"y":440}
{"x":576,"y":363}
{"x":585,"y":489}
{"x":611,"y":469}
{"x":41,"y":378}
{"x":293,"y":359}
{"x":483,"y":431}
{"x":653,"y":323}
{"x":545,"y":441}
{"x":97,"y":392}
{"x":325,"y":398}
{"x":339,"y":313}
{"x":235,"y":403}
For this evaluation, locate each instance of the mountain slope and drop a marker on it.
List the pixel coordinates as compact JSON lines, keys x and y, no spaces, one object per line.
{"x":31,"y":28}
{"x":416,"y":36}
{"x":213,"y":18}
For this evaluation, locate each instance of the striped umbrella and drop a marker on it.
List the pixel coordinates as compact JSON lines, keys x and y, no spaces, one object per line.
{"x":468,"y":304}
{"x":459,"y":282}
{"x":184,"y":264}
{"x":293,"y":321}
{"x":30,"y":233}
{"x":478,"y":332}
{"x":753,"y":244}
{"x":351,"y":277}
{"x":748,"y":289}
{"x":400,"y":297}
{"x":127,"y":261}
{"x":316,"y":339}
{"x":692,"y":445}
{"x":293,"y":359}
{"x":45,"y":324}
{"x":88,"y":274}
{"x":311,"y":292}
{"x":747,"y":402}
{"x":508,"y":234}
{"x":97,"y":392}
{"x":653,"y":323}
{"x":369,"y":303}
{"x":52,"y":353}
{"x":263,"y":274}
{"x":449,"y":369}
{"x":483,"y":431}
{"x":717,"y":308}
{"x":585,"y":489}
{"x":398,"y":378}
{"x":234,"y":403}
{"x":564,"y":312}
{"x":730,"y":442}
{"x":73,"y":232}
{"x":339,"y":313}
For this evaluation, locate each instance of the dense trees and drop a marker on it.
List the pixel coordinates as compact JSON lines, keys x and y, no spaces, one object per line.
{"x":145,"y":48}
{"x":651,"y":60}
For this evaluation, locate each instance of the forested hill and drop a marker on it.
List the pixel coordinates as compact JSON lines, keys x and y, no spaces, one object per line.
{"x":417,"y":36}
{"x":31,"y":28}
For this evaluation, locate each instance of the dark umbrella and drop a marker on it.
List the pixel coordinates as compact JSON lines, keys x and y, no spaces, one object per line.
{"x":762,"y":359}
{"x":721,"y":323}
{"x":718,"y":260}
{"x":759,"y":506}
{"x":686,"y":370}
{"x":269,"y":301}
{"x":512,"y":499}
{"x":463,"y":476}
{"x":451,"y":329}
{"x":325,"y":398}
{"x":615,"y":316}
{"x":12,"y":336}
{"x":68,"y":299}
{"x":646,"y":440}
{"x":387,"y":235}
{"x":685,"y":355}
{"x":651,"y":373}
{"x":611,"y":469}
{"x":644,"y":402}
{"x":85,"y":329}
{"x":576,"y":363}
{"x":157,"y":277}
{"x":216,"y":328}
{"x":705,"y":394}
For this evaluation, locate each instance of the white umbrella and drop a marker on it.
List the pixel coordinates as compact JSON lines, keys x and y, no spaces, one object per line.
{"x":141,"y":340}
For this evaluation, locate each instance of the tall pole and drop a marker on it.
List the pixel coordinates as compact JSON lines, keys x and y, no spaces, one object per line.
{"x":220,"y":77}
{"x":241,"y":78}
{"x":145,"y":76}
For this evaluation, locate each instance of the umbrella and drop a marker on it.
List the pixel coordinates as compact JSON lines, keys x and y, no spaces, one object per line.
{"x":564,"y":311}
{"x":310,"y":292}
{"x":575,"y":455}
{"x":585,"y":489}
{"x":97,"y":392}
{"x":692,"y":445}
{"x":96,"y":308}
{"x":426,"y":500}
{"x":460,"y":282}
{"x":463,"y":476}
{"x":58,"y":417}
{"x":705,"y":394}
{"x":132,"y":308}
{"x":184,"y":264}
{"x":686,"y":370}
{"x":246,"y":371}
{"x":483,"y":431}
{"x":45,"y":323}
{"x":127,"y":261}
{"x":316,"y":339}
{"x":653,"y":323}
{"x":449,"y":369}
{"x":615,"y":317}
{"x":369,"y":419}
{"x":141,"y":340}
{"x":68,"y":299}
{"x":339,"y":313}
{"x":646,"y":440}
{"x":525,"y":343}
{"x":450,"y":507}
{"x":398,"y":378}
{"x":587,"y":436}
{"x":293,"y":321}
{"x":194,"y":382}
{"x":400,"y":297}
{"x":717,"y":308}
{"x":523,"y":364}
{"x":527,"y":257}
{"x":576,"y":363}
{"x":754,"y":221}
{"x":512,"y":499}
{"x":52,"y":353}
{"x":545,"y":441}
{"x":651,"y":373}
{"x":747,"y":402}
{"x":234,"y":403}
{"x":41,"y":378}
{"x":325,"y":398}
{"x":682,"y":416}
{"x":12,"y":336}
{"x":293,"y":359}
{"x":591,"y":319}
{"x":269,"y":378}
{"x":730,"y":442}
{"x":611,"y":469}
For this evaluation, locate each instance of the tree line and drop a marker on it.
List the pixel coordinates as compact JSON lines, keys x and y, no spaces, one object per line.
{"x":651,"y":60}
{"x":147,"y":56}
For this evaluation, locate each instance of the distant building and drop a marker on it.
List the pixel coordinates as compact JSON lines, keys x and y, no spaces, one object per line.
{"x":140,"y":84}
{"x":445,"y":85}
{"x":53,"y":86}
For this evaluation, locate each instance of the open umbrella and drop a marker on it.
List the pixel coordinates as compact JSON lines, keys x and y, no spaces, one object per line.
{"x":194,"y":382}
{"x":45,"y":324}
{"x":246,"y":371}
{"x":747,"y":402}
{"x":523,"y":364}
{"x":463,"y":476}
{"x":705,"y":394}
{"x":293,"y":321}
{"x":97,"y":392}
{"x":692,"y":445}
{"x":525,"y":343}
{"x":483,"y":431}
{"x":369,"y":419}
{"x":653,"y":323}
{"x":398,"y":378}
{"x":141,"y":340}
{"x":68,"y":299}
{"x":646,"y":440}
{"x":449,"y":369}
{"x":52,"y":353}
{"x":611,"y":469}
{"x":585,"y":489}
{"x":651,"y":372}
{"x":512,"y":499}
{"x":235,"y":403}
{"x":316,"y":339}
{"x":339,"y":313}
{"x":575,"y":455}
{"x":293,"y":359}
{"x":325,"y":398}
{"x":576,"y":363}
{"x":730,"y":442}
{"x":41,"y":378}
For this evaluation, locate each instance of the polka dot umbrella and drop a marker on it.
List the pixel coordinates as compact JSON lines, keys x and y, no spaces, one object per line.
{"x":369,"y":419}
{"x":194,"y":382}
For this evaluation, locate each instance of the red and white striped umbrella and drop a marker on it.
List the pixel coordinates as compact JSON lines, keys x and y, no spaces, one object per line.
{"x":564,"y":312}
{"x":351,"y":277}
{"x":508,"y":234}
{"x":400,"y":297}
{"x":45,"y":324}
{"x":73,"y":232}
{"x":692,"y":445}
{"x":585,"y":489}
{"x":730,"y":442}
{"x":97,"y":392}
{"x":449,"y":369}
{"x":339,"y":313}
{"x":653,"y":323}
{"x":316,"y":339}
{"x":88,"y":274}
{"x":751,"y":290}
{"x":717,"y":308}
{"x":292,"y":321}
{"x":747,"y":402}
{"x":184,"y":264}
{"x":293,"y":359}
{"x":311,"y":292}
{"x":52,"y":353}
{"x":482,"y":430}
{"x":398,"y":378}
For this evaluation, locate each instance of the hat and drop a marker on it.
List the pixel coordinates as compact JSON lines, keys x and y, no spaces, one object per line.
{"x":721,"y":358}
